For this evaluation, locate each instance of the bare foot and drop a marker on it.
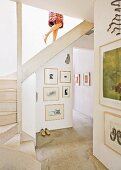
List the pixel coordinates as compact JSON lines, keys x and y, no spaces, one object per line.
{"x":45,"y":38}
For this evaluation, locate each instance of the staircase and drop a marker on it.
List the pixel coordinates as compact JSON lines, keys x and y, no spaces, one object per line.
{"x":8,"y":110}
{"x":20,"y":145}
{"x":17,"y":147}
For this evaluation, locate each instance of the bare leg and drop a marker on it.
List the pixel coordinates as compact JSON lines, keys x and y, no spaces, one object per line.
{"x":54,"y":27}
{"x":55,"y":32}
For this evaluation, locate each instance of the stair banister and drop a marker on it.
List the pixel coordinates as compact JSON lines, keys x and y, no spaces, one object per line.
{"x":53,"y":49}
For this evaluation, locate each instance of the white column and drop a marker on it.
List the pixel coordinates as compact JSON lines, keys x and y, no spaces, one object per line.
{"x":19,"y":65}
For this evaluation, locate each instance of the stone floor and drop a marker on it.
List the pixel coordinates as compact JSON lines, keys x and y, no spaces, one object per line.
{"x":69,"y":149}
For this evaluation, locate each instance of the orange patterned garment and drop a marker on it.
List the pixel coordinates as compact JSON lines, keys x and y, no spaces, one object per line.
{"x":55,"y":18}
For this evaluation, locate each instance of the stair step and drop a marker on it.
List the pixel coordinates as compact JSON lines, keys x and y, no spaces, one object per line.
{"x":14,"y":142}
{"x":28,"y":147}
{"x":12,"y":159}
{"x":7,"y":94}
{"x":7,"y":84}
{"x":7,"y":132}
{"x":8,"y":106}
{"x":7,"y":118}
{"x":26,"y":137}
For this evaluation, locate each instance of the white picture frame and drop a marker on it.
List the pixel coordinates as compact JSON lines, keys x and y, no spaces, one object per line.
{"x":50,"y":93}
{"x":77,"y":79}
{"x":65,"y":91}
{"x":112,"y":131}
{"x":86,"y":79}
{"x":65,"y":76}
{"x":107,"y":70}
{"x":51,"y":76}
{"x":54,"y":112}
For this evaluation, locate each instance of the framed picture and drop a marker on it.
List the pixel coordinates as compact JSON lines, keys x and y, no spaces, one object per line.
{"x":86,"y":79}
{"x":112,"y":131}
{"x":65,"y":76}
{"x":51,"y":76}
{"x":77,"y":79}
{"x":50,"y":93}
{"x":54,"y":112}
{"x":65,"y":91}
{"x":110,"y":74}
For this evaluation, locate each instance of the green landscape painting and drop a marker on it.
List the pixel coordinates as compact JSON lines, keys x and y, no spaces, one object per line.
{"x":112,"y":74}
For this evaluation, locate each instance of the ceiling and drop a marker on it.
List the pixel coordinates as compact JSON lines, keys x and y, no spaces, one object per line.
{"x":82,"y":9}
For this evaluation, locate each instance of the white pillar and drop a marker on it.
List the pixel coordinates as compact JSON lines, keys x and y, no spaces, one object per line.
{"x":19,"y":65}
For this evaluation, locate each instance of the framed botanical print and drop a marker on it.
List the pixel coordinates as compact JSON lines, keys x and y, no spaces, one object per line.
{"x":54,"y":112}
{"x":77,"y":79}
{"x":50,"y":93}
{"x":65,"y":91}
{"x":51,"y":76}
{"x":110,"y":74}
{"x":112,"y":131}
{"x":86,"y":79}
{"x":65,"y":76}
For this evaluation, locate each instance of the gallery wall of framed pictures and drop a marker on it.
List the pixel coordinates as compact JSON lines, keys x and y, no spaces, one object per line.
{"x":57,"y":86}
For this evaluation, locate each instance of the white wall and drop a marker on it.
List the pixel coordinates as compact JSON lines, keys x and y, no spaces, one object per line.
{"x":57,"y":62}
{"x":35,"y":25}
{"x":8,"y":53}
{"x":83,"y":62}
{"x":111,"y":159}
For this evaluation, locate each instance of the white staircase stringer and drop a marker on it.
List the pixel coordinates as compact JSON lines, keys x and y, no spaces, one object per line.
{"x":53,"y":49}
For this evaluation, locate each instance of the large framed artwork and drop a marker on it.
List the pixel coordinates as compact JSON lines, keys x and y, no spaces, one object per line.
{"x":54,"y":112}
{"x":65,"y":76}
{"x":110,"y":74}
{"x":50,"y":93}
{"x":112,"y":131}
{"x":51,"y":76}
